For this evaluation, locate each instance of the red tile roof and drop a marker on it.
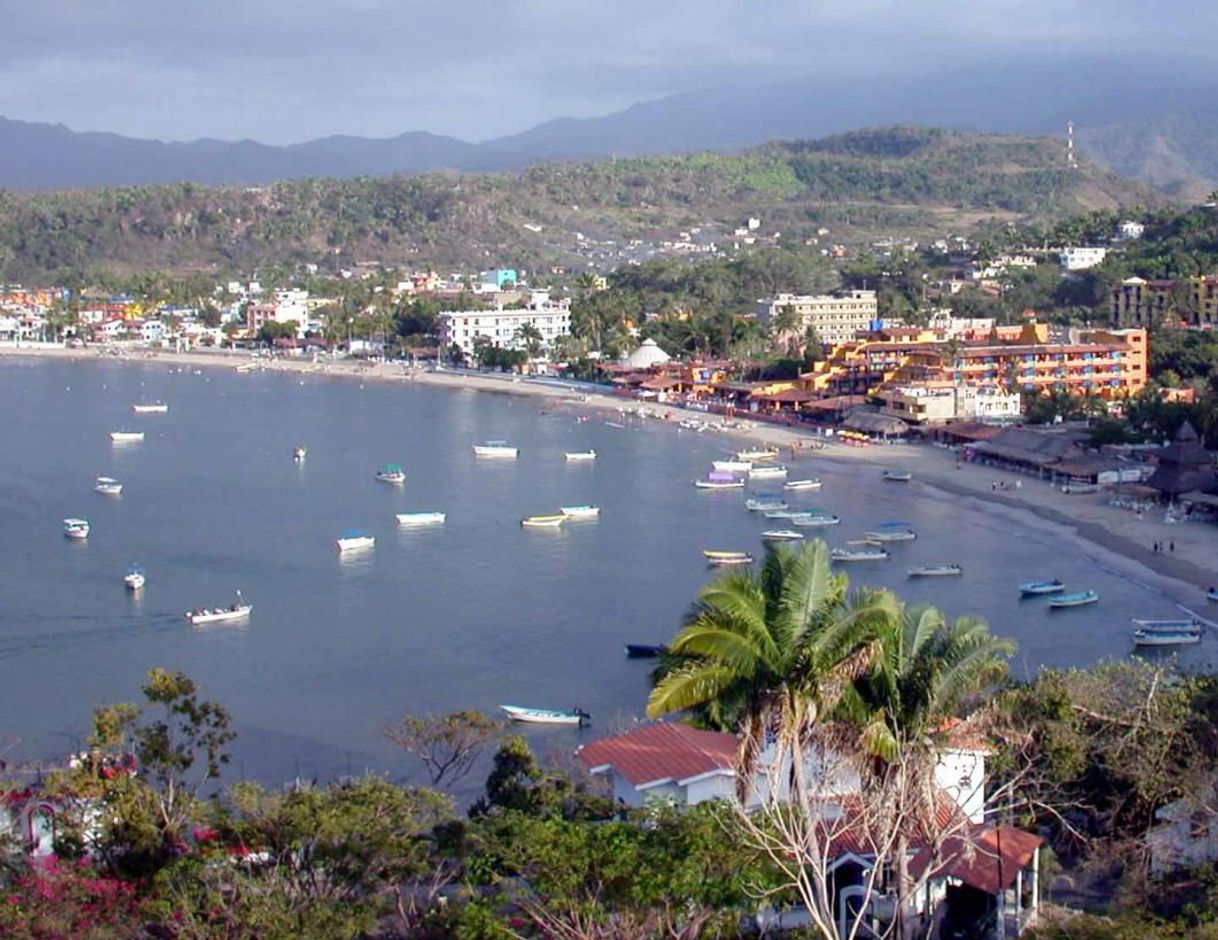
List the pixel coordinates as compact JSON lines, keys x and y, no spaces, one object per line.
{"x":659,"y":752}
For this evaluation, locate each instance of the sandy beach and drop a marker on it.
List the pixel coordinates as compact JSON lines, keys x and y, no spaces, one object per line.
{"x":1183,"y":571}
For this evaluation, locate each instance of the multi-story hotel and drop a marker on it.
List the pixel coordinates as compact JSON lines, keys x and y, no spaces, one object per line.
{"x":1107,"y":363}
{"x":1138,"y":302}
{"x":502,"y":327}
{"x":836,"y":317}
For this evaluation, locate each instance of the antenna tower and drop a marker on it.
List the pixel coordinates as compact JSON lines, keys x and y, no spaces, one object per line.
{"x":1070,"y":160}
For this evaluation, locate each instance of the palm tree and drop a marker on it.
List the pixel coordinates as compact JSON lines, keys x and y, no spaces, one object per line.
{"x":772,"y":650}
{"x":897,"y":718}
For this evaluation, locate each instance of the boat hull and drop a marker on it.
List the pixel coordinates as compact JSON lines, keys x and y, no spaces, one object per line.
{"x":200,"y":618}
{"x":581,"y":512}
{"x":421,"y":518}
{"x":947,"y":571}
{"x":542,"y":716}
{"x":841,"y":556}
{"x":1041,"y":588}
{"x":354,"y":544}
{"x":802,"y":485}
{"x":542,"y":522}
{"x":815,"y":522}
{"x":495,"y":450}
{"x":782,"y":535}
{"x":1074,"y":600}
{"x":643,"y":650}
{"x":575,"y":458}
{"x":126,"y":437}
{"x":1151,"y":639}
{"x":718,"y":485}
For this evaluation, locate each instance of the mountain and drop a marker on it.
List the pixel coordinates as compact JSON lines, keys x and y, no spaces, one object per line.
{"x":864,"y":185}
{"x":1140,"y":119}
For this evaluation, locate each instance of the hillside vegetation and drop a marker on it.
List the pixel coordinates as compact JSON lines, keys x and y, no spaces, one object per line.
{"x":900,"y":180}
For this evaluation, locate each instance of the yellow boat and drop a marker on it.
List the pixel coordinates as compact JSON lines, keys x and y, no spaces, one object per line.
{"x":713,"y":555}
{"x":543,"y":522}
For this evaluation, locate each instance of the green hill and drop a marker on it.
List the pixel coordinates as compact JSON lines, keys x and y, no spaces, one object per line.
{"x":886,"y":181}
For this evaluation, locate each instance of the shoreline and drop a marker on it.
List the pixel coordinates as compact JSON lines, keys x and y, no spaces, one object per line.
{"x":1182,"y":574}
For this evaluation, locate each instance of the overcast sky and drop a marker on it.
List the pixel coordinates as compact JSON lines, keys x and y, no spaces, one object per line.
{"x":289,"y":70}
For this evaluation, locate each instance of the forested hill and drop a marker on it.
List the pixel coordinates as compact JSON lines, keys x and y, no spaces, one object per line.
{"x":894,"y":181}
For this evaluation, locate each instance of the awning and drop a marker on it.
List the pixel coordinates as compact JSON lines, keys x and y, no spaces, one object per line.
{"x":875,"y":423}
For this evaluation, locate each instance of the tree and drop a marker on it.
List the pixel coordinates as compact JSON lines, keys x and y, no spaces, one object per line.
{"x":903,"y":709}
{"x":771,"y":651}
{"x":531,"y":336}
{"x":447,"y":745}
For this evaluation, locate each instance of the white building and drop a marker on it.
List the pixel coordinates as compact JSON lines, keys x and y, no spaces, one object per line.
{"x":939,"y":404}
{"x":502,"y":327}
{"x":836,"y":317}
{"x":1076,"y":258}
{"x":1128,"y":230}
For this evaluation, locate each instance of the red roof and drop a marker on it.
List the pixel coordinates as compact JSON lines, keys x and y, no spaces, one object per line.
{"x":664,"y":751}
{"x":988,"y":859}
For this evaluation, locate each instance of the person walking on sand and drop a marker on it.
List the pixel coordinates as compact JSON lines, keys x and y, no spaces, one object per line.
{"x":1172,"y":545}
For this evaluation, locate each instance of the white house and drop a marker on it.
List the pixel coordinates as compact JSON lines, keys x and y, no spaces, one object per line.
{"x":1128,"y":230}
{"x":1080,"y":258}
{"x":152,"y":331}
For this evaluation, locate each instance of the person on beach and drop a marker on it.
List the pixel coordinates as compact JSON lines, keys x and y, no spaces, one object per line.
{"x":1172,"y":545}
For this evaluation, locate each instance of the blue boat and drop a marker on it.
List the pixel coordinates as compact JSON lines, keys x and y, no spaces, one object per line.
{"x":1037,"y":588}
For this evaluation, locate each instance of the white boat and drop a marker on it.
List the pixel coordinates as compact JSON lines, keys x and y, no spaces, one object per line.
{"x":1166,"y":638}
{"x":858,"y":554}
{"x":235,"y":611}
{"x":134,"y":578}
{"x":1038,"y":588}
{"x":891,"y":532}
{"x":933,"y":571}
{"x":761,"y":504}
{"x":781,"y":535}
{"x":811,"y":483}
{"x":1081,"y":599}
{"x":298,"y":453}
{"x":546,"y":716}
{"x":496,"y":449}
{"x":719,"y":484}
{"x":1076,"y":489}
{"x":543,"y":522}
{"x":155,"y":408}
{"x":897,"y":476}
{"x":580,"y":512}
{"x":354,"y":539}
{"x":732,"y":466}
{"x":767,"y":473}
{"x":76,"y":528}
{"x":421,"y":518}
{"x":107,"y":486}
{"x":574,"y":456}
{"x":391,"y":473}
{"x":714,"y":557}
{"x":126,"y":437}
{"x":815,"y":520}
{"x":756,"y":454}
{"x":785,"y":513}
{"x":1191,"y":625}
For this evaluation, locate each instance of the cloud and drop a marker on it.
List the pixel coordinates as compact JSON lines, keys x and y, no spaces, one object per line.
{"x":283,"y":70}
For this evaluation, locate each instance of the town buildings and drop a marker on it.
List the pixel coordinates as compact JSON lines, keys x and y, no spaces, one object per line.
{"x":835,"y":317}
{"x":501,"y":326}
{"x":1080,"y":258}
{"x":938,"y":404}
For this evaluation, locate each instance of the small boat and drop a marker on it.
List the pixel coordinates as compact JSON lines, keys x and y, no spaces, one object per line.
{"x":235,"y":611}
{"x":126,"y":437}
{"x":785,"y":513}
{"x":764,"y":504}
{"x":107,"y":486}
{"x":354,"y":539}
{"x":891,"y":532}
{"x":298,"y":453}
{"x":155,"y":408}
{"x":767,"y":473}
{"x":781,"y":535}
{"x":858,"y":554}
{"x":815,"y":520}
{"x":1076,"y":489}
{"x":546,"y":716}
{"x":732,"y":466}
{"x":543,"y":522}
{"x":713,"y":484}
{"x":134,"y":578}
{"x":421,"y":518}
{"x":726,"y":559}
{"x":391,"y":473}
{"x":754,"y":455}
{"x":580,"y":512}
{"x":933,"y":571}
{"x":644,"y":650}
{"x":711,"y":554}
{"x":1166,"y":637}
{"x":1191,"y":625}
{"x":1082,"y":598}
{"x":580,"y":455}
{"x":812,"y":483}
{"x":1037,"y":588}
{"x":76,"y":528}
{"x":897,"y":476}
{"x":496,"y":449}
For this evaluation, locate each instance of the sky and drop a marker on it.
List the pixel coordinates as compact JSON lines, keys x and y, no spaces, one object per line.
{"x":283,"y":71}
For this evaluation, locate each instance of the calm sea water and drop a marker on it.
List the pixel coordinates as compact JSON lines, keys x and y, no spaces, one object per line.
{"x":472,"y":614}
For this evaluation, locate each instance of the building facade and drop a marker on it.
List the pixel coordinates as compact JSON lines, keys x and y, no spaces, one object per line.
{"x":835,"y":317}
{"x":1136,"y":302}
{"x":931,"y":404}
{"x":1080,"y":258}
{"x":501,"y":327}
